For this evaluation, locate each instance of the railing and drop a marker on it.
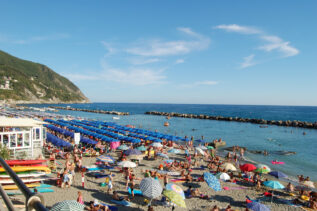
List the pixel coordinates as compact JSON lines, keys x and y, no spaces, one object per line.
{"x":34,"y":201}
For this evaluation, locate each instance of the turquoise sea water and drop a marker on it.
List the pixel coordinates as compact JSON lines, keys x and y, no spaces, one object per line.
{"x":273,"y":138}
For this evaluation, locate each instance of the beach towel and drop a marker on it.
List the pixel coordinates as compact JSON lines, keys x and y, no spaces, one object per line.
{"x":123,"y":202}
{"x":112,"y":208}
{"x":178,"y":180}
{"x":136,"y":192}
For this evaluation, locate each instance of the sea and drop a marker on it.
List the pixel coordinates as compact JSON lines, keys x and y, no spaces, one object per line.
{"x":272,"y":139}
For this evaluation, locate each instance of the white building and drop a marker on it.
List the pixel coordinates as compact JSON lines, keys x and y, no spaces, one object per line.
{"x":23,"y":137}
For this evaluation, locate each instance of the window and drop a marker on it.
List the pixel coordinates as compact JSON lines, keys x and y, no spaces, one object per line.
{"x":20,"y":139}
{"x":5,"y":140}
{"x":26,"y":139}
{"x":37,"y":137}
{"x":12,"y":140}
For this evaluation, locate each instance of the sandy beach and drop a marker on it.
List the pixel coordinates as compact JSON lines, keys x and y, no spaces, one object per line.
{"x":235,"y":196}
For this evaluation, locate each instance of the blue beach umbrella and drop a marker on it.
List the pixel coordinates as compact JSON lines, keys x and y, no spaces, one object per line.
{"x":273,"y":184}
{"x":106,"y":159}
{"x":256,"y":206}
{"x":123,"y":147}
{"x":141,"y":148}
{"x":212,"y":181}
{"x":133,"y":152}
{"x":175,"y":151}
{"x":278,"y":174}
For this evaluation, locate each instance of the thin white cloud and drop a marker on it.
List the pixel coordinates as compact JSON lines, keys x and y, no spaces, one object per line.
{"x":276,"y":43}
{"x":179,"y":61}
{"x":111,"y":50}
{"x":128,"y":76}
{"x":142,"y":61}
{"x":199,"y":83}
{"x":158,"y":48}
{"x":239,"y":29}
{"x":247,"y":61}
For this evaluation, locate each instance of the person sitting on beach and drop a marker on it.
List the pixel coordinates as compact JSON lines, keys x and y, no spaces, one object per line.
{"x":215,"y":208}
{"x":290,"y":187}
{"x":165,"y":178}
{"x":228,"y":208}
{"x":115,"y":196}
{"x":300,"y":178}
{"x":188,"y":177}
{"x":313,"y":204}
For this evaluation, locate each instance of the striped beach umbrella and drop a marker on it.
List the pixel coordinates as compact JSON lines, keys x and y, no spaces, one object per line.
{"x":127,"y":164}
{"x":68,"y":205}
{"x":106,"y":159}
{"x":212,"y":181}
{"x":151,"y":188}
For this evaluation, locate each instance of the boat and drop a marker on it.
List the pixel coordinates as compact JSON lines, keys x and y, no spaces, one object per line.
{"x":24,"y":180}
{"x":25,"y":174}
{"x":14,"y":187}
{"x":28,"y":168}
{"x":166,"y":124}
{"x":115,"y":118}
{"x":24,"y":162}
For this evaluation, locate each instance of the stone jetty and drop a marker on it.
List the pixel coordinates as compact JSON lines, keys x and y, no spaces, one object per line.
{"x":91,"y":111}
{"x":287,"y":123}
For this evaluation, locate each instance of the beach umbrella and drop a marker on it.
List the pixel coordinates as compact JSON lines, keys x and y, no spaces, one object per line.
{"x":133,"y":152}
{"x":174,"y":151}
{"x":66,"y":205}
{"x":309,"y":184}
{"x":262,"y":170}
{"x":157,"y":140}
{"x":156,"y":144}
{"x":256,"y":206}
{"x":278,"y":174}
{"x":127,"y":164}
{"x":174,"y":198}
{"x":203,"y":147}
{"x":163,"y":155}
{"x":123,"y":147}
{"x":273,"y":184}
{"x":223,"y":176}
{"x":106,"y":159}
{"x":212,"y":181}
{"x":229,"y":167}
{"x":151,"y":187}
{"x":141,"y":148}
{"x":200,"y":150}
{"x":262,"y":166}
{"x":175,"y":188}
{"x":248,"y":167}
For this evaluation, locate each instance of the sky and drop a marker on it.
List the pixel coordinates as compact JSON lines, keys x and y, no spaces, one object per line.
{"x":198,"y":52}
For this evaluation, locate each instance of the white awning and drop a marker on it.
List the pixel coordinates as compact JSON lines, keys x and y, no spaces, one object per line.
{"x":20,"y":122}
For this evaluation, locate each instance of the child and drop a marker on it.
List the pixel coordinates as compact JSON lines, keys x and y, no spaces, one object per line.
{"x":80,"y":198}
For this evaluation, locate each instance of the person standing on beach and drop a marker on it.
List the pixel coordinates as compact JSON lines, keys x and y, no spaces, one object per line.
{"x":80,"y":198}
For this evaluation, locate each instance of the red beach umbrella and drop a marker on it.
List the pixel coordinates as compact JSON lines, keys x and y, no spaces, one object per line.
{"x":248,"y":167}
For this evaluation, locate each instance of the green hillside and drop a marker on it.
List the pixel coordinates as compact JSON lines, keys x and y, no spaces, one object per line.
{"x":33,"y":82}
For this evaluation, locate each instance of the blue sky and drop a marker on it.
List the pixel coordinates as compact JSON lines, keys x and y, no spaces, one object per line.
{"x":215,"y":52}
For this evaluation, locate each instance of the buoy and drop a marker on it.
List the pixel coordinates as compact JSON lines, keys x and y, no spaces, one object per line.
{"x":166,"y":124}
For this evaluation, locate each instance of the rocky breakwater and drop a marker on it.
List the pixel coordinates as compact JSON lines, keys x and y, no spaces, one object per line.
{"x":287,"y":123}
{"x":91,"y":111}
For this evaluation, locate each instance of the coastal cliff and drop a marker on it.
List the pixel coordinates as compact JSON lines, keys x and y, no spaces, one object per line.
{"x":24,"y":81}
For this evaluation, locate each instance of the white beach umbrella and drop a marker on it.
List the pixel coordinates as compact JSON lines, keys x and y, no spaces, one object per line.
{"x":157,"y":144}
{"x":200,"y":150}
{"x":203,"y":147}
{"x":223,"y":176}
{"x":229,"y":167}
{"x":127,"y":164}
{"x":309,"y":184}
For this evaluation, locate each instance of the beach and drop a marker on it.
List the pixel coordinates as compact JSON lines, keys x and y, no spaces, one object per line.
{"x":235,"y":196}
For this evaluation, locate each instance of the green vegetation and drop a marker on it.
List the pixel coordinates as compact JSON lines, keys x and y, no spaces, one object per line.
{"x":4,"y":152}
{"x":35,"y":82}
